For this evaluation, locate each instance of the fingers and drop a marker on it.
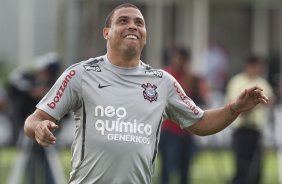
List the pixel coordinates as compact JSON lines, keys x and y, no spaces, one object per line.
{"x":260,"y":96}
{"x":44,"y":133}
{"x":257,"y":93}
{"x":52,"y":126}
{"x":249,"y":98}
{"x":255,"y":88}
{"x":263,"y":99}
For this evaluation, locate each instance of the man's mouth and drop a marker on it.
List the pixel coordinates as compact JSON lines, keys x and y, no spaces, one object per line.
{"x":130,"y":36}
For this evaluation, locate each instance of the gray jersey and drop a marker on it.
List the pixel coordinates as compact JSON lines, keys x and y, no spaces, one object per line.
{"x":118,"y":114}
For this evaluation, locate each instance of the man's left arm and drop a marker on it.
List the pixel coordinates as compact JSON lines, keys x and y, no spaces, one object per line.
{"x":215,"y":120}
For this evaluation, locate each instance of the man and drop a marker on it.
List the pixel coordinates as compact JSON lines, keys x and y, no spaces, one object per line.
{"x":248,"y":127}
{"x":118,"y":104}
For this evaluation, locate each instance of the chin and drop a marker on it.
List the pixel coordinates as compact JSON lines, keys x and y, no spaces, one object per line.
{"x":132,"y":49}
{"x":131,"y":52}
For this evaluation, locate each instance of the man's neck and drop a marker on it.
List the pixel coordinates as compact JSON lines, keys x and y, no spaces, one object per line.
{"x":123,"y":60}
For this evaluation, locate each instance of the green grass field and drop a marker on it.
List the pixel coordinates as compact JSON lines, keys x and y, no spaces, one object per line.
{"x":209,"y":167}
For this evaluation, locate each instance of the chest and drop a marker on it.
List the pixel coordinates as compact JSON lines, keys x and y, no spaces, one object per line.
{"x":130,"y":95}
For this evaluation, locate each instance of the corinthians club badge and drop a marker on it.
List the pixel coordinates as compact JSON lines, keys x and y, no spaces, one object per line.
{"x":150,"y":92}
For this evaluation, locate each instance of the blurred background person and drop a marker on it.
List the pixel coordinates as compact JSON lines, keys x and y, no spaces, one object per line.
{"x":5,"y":123}
{"x":177,"y":146}
{"x":215,"y":69}
{"x":3,"y":98}
{"x":247,"y":135}
{"x":26,"y":87}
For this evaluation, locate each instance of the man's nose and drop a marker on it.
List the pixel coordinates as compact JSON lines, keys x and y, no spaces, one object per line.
{"x":132,"y":25}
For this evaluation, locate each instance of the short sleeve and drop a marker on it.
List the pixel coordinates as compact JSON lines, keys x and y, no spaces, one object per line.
{"x":180,"y":108}
{"x":65,"y":94}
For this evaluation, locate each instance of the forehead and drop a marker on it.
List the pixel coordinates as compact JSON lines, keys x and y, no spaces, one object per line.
{"x":127,"y":12}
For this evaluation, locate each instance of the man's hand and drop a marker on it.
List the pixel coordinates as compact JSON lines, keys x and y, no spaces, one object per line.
{"x":248,"y":99}
{"x":44,"y":133}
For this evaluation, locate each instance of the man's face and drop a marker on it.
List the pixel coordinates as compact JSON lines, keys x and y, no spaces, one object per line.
{"x":127,"y":31}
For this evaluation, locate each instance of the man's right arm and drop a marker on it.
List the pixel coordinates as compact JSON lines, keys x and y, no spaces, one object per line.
{"x":40,"y":126}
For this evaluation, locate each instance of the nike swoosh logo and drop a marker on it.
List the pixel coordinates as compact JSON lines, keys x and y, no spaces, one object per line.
{"x":100,"y":86}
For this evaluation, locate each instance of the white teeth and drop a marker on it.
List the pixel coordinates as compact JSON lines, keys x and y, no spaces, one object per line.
{"x":131,"y":37}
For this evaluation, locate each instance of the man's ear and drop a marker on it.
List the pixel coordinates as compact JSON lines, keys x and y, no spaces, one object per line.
{"x":106,"y":33}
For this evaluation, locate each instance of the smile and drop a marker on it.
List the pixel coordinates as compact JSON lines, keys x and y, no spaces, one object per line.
{"x":131,"y":37}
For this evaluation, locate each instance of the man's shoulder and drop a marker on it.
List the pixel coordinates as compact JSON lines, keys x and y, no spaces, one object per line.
{"x":92,"y":64}
{"x":152,"y":71}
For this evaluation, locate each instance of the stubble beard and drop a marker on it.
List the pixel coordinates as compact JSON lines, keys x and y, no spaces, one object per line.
{"x":132,"y":52}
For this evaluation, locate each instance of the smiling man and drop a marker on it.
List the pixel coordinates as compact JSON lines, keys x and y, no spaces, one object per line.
{"x":125,"y":33}
{"x":118,"y":103}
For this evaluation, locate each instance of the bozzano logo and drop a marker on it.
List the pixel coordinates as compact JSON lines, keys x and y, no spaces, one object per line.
{"x":185,"y":99}
{"x":61,"y":90}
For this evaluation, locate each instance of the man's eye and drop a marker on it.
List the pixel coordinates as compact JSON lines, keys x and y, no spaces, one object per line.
{"x":140,"y":23}
{"x":123,"y":21}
